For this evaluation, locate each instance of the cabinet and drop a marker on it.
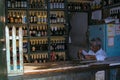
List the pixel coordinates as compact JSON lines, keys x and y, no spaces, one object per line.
{"x":108,"y":8}
{"x":44,"y":26}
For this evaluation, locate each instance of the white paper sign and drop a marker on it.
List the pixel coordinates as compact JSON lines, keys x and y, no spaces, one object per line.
{"x":111,"y":30}
{"x":117,"y":29}
{"x":110,"y":41}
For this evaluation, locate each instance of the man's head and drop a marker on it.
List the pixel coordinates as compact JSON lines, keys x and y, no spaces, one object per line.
{"x":95,"y":44}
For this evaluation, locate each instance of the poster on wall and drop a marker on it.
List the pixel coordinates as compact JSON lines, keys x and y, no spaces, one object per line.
{"x":117,"y":29}
{"x":111,"y":34}
{"x":111,"y":30}
{"x":111,"y":41}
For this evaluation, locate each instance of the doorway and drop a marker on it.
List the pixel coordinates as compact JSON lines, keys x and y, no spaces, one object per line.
{"x":78,"y":29}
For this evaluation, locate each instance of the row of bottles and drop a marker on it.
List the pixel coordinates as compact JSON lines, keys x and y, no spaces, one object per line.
{"x":16,"y":17}
{"x":58,"y":31}
{"x":57,"y":56}
{"x":41,"y":4}
{"x":36,"y":58}
{"x":16,"y":3}
{"x":57,"y":17}
{"x":38,"y":45}
{"x":110,"y":2}
{"x":115,"y":13}
{"x":96,"y":4}
{"x":57,"y":45}
{"x":116,"y":1}
{"x":57,"y":4}
{"x":38,"y":31}
{"x":39,"y":17}
{"x":41,"y":31}
{"x":73,"y":6}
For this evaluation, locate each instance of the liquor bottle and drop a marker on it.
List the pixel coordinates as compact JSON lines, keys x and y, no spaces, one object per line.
{"x":8,"y":17}
{"x":24,"y":18}
{"x":15,"y":17}
{"x":51,"y":4}
{"x":31,"y":17}
{"x":58,"y":17}
{"x":33,"y":4}
{"x":46,"y":30}
{"x":34,"y":18}
{"x":45,"y":17}
{"x":18,"y":17}
{"x":9,"y":3}
{"x":62,"y":18}
{"x":34,"y":31}
{"x":24,"y":31}
{"x":42,"y":19}
{"x":24,"y":3}
{"x":18,"y":4}
{"x":11,"y":18}
{"x":51,"y":18}
{"x":57,"y":4}
{"x":38,"y":18}
{"x":31,"y":31}
{"x":41,"y":4}
{"x":12,"y":4}
{"x":39,"y":45}
{"x":38,"y":32}
{"x":62,"y":3}
{"x":54,"y":18}
{"x":43,"y":30}
{"x":25,"y":47}
{"x":32,"y":44}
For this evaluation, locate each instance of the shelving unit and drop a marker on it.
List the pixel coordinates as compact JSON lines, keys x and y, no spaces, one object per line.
{"x":109,"y":8}
{"x":44,"y":28}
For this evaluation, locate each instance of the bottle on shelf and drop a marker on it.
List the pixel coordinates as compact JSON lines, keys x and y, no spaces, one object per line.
{"x":24,"y":17}
{"x":25,"y":47}
{"x":8,"y":17}
{"x":34,"y":18}
{"x":9,"y":3}
{"x":11,"y":17}
{"x":24,"y":31}
{"x":32,"y":44}
{"x":31,"y":17}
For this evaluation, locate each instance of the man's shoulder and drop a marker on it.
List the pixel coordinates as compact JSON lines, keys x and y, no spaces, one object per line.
{"x":101,"y":51}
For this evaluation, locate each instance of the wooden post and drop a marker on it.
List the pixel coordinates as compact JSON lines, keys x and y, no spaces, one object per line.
{"x":16,"y":68}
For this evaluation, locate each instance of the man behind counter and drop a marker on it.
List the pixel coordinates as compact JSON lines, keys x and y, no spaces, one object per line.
{"x":95,"y":52}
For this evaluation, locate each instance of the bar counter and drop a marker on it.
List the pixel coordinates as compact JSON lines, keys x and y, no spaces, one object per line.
{"x":68,"y":70}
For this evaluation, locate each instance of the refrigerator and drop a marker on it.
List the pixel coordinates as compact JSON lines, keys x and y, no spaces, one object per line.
{"x":109,"y":35}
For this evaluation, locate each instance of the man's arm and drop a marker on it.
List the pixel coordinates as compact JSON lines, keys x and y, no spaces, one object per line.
{"x":90,"y":57}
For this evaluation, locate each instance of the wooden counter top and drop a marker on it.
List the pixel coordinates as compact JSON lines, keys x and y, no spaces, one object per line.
{"x":57,"y":68}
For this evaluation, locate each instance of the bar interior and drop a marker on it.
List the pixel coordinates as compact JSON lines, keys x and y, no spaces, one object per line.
{"x":59,"y":40}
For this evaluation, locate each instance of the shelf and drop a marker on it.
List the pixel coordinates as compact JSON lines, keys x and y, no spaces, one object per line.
{"x":58,"y":36}
{"x":80,"y":1}
{"x":58,"y":51}
{"x":58,"y":23}
{"x":17,"y":8}
{"x":39,"y":20}
{"x":112,"y":5}
{"x":39,"y":52}
{"x":78,"y":11}
{"x":97,"y":9}
{"x":42,"y":37}
{"x":37,"y":9}
{"x":57,"y":9}
{"x":16,"y":24}
{"x":36,"y":24}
